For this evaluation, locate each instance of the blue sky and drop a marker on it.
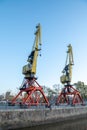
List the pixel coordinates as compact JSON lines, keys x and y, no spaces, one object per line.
{"x":62,"y":21}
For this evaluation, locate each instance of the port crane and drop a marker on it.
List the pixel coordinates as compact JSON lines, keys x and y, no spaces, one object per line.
{"x":69,"y":94}
{"x":34,"y":94}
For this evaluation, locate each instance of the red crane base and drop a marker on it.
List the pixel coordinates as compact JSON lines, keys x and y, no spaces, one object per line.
{"x":69,"y":95}
{"x":32,"y":95}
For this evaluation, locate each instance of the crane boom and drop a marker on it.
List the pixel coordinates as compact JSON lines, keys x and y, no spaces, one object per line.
{"x":36,"y":48}
{"x":67,"y":71}
{"x":29,"y":70}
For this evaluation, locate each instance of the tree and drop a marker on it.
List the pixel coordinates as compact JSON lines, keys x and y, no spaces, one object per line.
{"x":57,"y":89}
{"x":8,"y":96}
{"x":1,"y":97}
{"x":52,"y":93}
{"x":82,"y":88}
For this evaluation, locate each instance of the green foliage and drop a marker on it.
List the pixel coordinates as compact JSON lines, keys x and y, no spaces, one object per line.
{"x":82,"y":88}
{"x":48,"y":91}
{"x":1,"y":97}
{"x":54,"y":91}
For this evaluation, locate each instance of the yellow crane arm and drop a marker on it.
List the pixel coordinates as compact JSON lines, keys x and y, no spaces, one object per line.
{"x":71,"y":61}
{"x":36,"y":48}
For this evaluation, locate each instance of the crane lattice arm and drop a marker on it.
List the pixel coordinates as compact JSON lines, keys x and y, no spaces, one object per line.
{"x":67,"y":71}
{"x":29,"y":70}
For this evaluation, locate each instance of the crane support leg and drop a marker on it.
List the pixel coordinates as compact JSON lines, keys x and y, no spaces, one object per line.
{"x":34,"y":95}
{"x":70,"y":96}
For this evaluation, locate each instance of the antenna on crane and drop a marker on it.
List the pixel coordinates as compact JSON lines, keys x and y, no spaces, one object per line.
{"x":68,"y":94}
